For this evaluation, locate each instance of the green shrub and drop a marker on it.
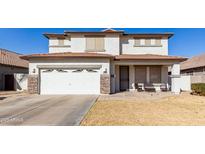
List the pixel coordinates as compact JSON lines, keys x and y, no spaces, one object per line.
{"x":198,"y":89}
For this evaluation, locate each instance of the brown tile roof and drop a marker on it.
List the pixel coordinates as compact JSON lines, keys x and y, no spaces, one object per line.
{"x":90,"y":32}
{"x":67,"y":55}
{"x":150,"y":35}
{"x":196,"y":61}
{"x":98,"y":55}
{"x":148,"y":57}
{"x":12,"y":59}
{"x":51,"y":35}
{"x":108,"y":31}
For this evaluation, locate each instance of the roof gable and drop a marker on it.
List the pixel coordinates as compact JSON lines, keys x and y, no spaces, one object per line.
{"x":12,"y":59}
{"x":109,"y":30}
{"x":194,"y":62}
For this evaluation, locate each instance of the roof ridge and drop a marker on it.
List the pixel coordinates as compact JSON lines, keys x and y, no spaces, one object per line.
{"x":6,"y":50}
{"x":194,"y":62}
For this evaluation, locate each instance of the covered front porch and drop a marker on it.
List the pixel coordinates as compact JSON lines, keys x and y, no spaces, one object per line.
{"x":146,"y":75}
{"x":141,"y":78}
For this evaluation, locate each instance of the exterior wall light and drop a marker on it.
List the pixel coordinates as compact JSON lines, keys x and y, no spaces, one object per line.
{"x":34,"y":70}
{"x":105,"y":71}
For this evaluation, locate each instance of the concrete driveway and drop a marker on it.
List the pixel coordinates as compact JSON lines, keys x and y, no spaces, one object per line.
{"x":43,"y":110}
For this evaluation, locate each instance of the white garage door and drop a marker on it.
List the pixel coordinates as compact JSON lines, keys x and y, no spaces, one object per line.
{"x":67,"y":81}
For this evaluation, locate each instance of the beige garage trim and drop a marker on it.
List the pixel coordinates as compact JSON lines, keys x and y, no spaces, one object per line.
{"x":70,"y":66}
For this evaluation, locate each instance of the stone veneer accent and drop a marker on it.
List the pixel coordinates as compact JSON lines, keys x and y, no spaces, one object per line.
{"x":33,"y":84}
{"x":105,"y":84}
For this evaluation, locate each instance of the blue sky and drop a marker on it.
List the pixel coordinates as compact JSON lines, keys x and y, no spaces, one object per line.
{"x":186,"y":41}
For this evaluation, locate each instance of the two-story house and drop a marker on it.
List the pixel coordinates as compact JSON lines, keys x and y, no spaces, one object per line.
{"x":102,"y":62}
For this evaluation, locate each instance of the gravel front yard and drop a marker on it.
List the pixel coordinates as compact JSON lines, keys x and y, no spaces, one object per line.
{"x":147,"y":109}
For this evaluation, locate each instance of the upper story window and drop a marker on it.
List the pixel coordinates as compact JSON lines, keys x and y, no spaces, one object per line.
{"x":61,"y":42}
{"x":137,"y":42}
{"x":147,"y":42}
{"x":94,"y":43}
{"x":158,"y":42}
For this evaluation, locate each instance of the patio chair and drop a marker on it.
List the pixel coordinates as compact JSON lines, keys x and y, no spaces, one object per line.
{"x":163,"y":87}
{"x":140,"y":86}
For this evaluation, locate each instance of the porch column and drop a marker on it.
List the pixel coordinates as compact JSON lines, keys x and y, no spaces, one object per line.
{"x":164,"y":75}
{"x":175,"y":78}
{"x":112,"y":76}
{"x":148,"y":74}
{"x":131,"y":77}
{"x":117,"y":78}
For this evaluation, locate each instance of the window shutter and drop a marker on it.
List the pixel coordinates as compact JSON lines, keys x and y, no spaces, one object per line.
{"x":99,"y":43}
{"x":147,"y":42}
{"x":61,"y":42}
{"x":137,"y":42}
{"x":90,"y":43}
{"x":158,"y":42}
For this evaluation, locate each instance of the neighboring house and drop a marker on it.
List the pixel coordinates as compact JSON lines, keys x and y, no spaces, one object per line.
{"x":102,"y":62}
{"x":11,"y":66}
{"x":195,"y":67}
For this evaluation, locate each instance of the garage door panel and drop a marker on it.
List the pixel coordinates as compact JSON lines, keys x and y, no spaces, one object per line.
{"x":70,"y":82}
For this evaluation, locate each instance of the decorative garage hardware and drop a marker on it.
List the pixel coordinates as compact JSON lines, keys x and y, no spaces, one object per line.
{"x":105,"y":71}
{"x":78,"y":70}
{"x":74,"y":71}
{"x":48,"y":70}
{"x":34,"y":70}
{"x":61,"y":70}
{"x":91,"y":70}
{"x":84,"y":69}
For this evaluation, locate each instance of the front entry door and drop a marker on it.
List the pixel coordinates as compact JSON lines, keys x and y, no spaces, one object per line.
{"x":124,"y":78}
{"x":9,"y":82}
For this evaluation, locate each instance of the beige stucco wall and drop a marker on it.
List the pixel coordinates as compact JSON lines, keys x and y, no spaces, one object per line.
{"x":114,"y":44}
{"x":104,"y":62}
{"x":112,"y":77}
{"x":78,"y":44}
{"x":117,"y":78}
